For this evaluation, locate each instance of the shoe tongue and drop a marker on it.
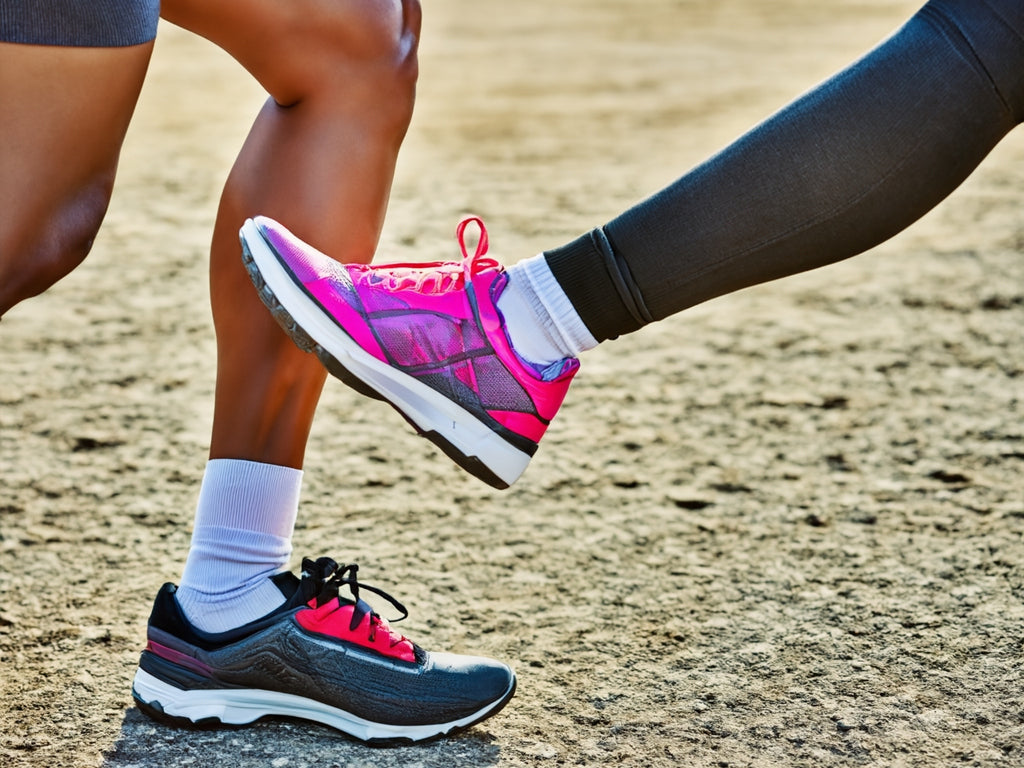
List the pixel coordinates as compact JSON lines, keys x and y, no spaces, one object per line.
{"x":289,"y":584}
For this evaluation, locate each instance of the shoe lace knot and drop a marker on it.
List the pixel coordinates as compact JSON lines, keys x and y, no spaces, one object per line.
{"x":322,"y":580}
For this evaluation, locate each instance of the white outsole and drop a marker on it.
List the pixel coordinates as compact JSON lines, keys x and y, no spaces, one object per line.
{"x":241,"y":706}
{"x":427,"y":409}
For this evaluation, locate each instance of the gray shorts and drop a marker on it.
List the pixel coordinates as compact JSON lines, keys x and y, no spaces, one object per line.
{"x":87,"y":23}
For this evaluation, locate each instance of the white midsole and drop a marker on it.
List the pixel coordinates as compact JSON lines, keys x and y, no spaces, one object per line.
{"x":239,"y":706}
{"x":428,"y":409}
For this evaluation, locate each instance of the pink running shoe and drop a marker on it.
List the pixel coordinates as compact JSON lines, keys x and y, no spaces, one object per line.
{"x":426,"y":338}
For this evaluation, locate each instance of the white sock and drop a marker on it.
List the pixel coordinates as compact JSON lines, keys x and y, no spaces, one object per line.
{"x":242,"y":536}
{"x":541,"y":322}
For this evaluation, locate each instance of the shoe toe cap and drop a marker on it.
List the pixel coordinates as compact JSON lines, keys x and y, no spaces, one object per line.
{"x":477,"y":678}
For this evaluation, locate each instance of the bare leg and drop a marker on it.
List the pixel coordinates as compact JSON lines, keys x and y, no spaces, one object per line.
{"x":321,"y":156}
{"x":66,"y":111}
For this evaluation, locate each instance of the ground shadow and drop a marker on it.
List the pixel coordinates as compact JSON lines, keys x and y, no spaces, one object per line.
{"x":283,"y":744}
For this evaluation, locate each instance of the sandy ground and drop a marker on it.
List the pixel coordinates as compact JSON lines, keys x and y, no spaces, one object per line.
{"x":784,"y":528}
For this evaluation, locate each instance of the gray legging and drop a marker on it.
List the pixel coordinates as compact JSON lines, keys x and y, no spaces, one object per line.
{"x":833,"y":174}
{"x":93,"y":23}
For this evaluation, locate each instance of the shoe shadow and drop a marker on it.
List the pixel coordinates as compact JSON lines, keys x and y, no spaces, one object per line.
{"x":283,"y":743}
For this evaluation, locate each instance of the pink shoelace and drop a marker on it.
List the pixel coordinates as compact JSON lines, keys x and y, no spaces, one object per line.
{"x":436,"y":277}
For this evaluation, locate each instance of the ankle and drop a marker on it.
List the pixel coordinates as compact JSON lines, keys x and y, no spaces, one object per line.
{"x":542,"y":324}
{"x":242,"y":536}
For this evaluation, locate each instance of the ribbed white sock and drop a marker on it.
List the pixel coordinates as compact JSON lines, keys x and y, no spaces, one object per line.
{"x":541,"y":322}
{"x":242,"y":536}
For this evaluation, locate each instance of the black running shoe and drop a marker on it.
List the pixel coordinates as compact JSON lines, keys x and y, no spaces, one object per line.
{"x":321,"y":657}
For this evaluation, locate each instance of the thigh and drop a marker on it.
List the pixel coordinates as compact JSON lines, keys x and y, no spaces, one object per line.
{"x":64,"y":112}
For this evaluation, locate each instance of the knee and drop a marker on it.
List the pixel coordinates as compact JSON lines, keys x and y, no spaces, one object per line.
{"x":360,"y":50}
{"x":37,"y":251}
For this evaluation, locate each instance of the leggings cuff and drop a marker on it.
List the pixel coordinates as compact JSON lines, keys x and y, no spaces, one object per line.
{"x":592,"y":277}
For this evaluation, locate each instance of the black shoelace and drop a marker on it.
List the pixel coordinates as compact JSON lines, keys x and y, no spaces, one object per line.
{"x":323,"y":578}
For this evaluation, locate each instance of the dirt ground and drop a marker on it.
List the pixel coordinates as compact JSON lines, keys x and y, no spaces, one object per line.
{"x":785,"y":528}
